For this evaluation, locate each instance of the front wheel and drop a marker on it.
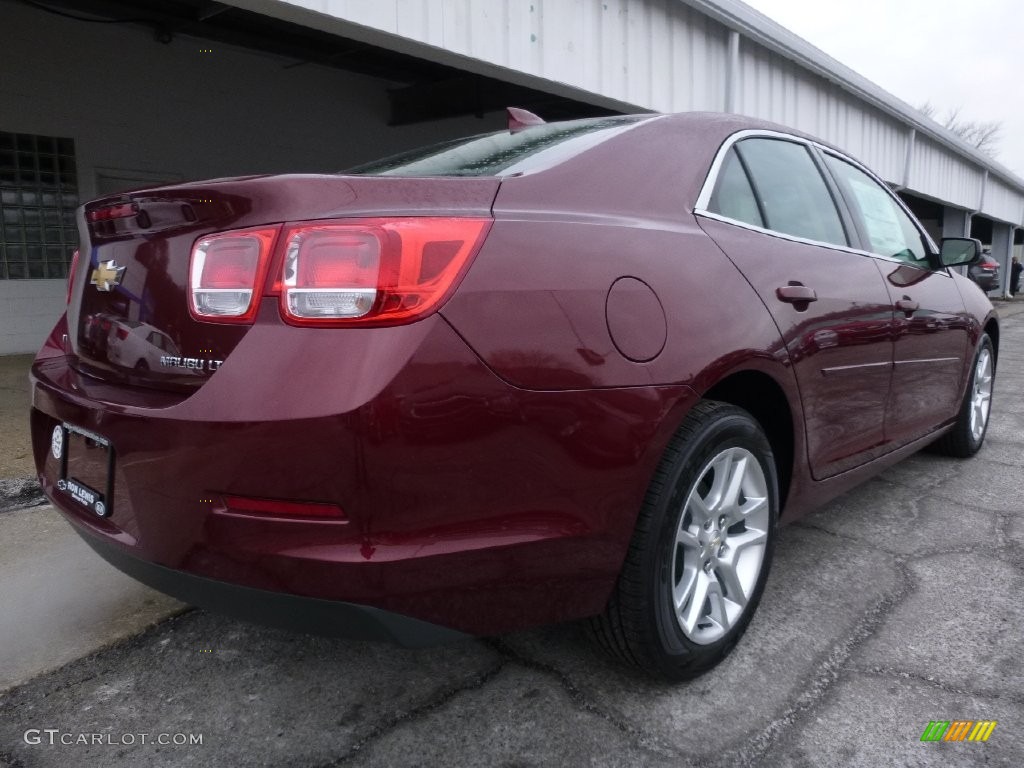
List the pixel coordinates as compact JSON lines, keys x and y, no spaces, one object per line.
{"x":701,"y":549}
{"x":968,"y":433}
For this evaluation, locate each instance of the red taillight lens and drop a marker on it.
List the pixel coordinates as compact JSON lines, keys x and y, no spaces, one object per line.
{"x":122,"y":332}
{"x":224,"y":274}
{"x":374,"y":271}
{"x":72,"y":271}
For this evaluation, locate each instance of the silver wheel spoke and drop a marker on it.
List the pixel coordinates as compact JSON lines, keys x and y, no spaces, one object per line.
{"x":698,"y":508}
{"x":737,"y":474}
{"x":749,"y":538}
{"x":684,"y":589}
{"x":694,"y":610}
{"x":726,"y":572}
{"x":752,"y":506}
{"x":719,"y":608}
{"x":688,"y":540}
{"x":718,"y":484}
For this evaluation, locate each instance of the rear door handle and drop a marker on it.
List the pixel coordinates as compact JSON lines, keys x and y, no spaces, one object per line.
{"x":795,"y":293}
{"x":907,"y":305}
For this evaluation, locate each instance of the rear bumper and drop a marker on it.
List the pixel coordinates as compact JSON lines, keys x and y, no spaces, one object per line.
{"x":304,"y":614}
{"x":469,"y":504}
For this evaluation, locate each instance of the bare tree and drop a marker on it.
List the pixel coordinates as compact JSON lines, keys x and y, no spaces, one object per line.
{"x":983,"y":135}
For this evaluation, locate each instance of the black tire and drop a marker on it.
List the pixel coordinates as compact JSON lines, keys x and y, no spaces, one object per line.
{"x":963,"y":440}
{"x":640,"y":624}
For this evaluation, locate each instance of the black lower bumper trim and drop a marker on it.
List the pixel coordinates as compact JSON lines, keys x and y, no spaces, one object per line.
{"x":295,"y":612}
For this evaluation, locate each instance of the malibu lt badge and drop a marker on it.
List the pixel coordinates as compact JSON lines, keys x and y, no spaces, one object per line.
{"x":198,"y":364}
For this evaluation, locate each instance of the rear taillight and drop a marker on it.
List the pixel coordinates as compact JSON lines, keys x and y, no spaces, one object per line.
{"x":122,"y":333}
{"x":72,"y":271}
{"x":225,"y":273}
{"x":374,"y":271}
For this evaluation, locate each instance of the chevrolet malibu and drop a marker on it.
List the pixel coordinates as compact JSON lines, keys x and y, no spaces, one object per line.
{"x":563,"y":371}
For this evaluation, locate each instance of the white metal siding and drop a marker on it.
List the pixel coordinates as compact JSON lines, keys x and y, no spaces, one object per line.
{"x":667,"y":56}
{"x":1003,"y":202}
{"x":942,"y":174}
{"x":773,"y":88}
{"x":655,"y":54}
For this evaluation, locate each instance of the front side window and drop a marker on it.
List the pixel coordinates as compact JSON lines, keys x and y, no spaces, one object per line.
{"x":794,"y":198}
{"x":889,"y":230}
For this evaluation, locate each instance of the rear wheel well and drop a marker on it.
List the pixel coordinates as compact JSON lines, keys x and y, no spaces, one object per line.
{"x":761,"y":396}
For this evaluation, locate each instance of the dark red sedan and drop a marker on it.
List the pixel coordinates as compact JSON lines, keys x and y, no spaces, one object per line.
{"x":564,"y":371}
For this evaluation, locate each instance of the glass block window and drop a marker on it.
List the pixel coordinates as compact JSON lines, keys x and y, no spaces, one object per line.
{"x":38,"y":197}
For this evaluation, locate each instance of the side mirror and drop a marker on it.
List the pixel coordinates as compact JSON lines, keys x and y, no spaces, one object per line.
{"x":958,"y":251}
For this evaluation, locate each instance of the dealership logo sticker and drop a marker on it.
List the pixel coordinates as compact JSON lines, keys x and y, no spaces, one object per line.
{"x":57,"y":442}
{"x":107,"y":275}
{"x":958,"y":730}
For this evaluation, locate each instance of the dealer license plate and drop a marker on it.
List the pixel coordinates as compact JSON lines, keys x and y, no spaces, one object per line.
{"x":86,"y":467}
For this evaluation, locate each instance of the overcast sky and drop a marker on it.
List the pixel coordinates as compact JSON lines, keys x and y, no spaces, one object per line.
{"x":965,"y":55}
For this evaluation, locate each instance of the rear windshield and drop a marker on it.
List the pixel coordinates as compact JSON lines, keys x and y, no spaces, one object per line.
{"x":501,"y":153}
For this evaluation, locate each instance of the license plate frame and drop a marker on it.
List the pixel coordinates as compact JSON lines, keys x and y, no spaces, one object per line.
{"x":100,"y":503}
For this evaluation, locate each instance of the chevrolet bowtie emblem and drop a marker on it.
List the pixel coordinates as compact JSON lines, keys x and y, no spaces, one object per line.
{"x":107,"y":275}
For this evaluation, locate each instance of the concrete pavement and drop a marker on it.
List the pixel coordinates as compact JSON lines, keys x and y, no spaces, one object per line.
{"x":898,"y":604}
{"x":15,"y":449}
{"x":58,"y":601}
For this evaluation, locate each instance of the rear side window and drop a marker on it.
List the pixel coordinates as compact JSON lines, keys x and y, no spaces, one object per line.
{"x":794,"y":198}
{"x":889,"y":230}
{"x":733,"y":195}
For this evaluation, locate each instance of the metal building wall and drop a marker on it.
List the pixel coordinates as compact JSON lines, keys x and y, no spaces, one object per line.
{"x":653,"y":54}
{"x":774,"y":88}
{"x":944,"y":175}
{"x":1003,"y":202}
{"x":678,"y":55}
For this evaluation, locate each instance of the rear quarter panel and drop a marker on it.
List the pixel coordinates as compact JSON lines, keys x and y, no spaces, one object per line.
{"x":533,"y":306}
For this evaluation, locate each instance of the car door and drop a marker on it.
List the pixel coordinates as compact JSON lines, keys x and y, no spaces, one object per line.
{"x":930,"y":327}
{"x":769,"y":207}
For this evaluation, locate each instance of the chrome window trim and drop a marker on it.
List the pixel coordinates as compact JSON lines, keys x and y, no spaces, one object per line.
{"x":716,"y":166}
{"x":708,"y":188}
{"x":818,"y":243}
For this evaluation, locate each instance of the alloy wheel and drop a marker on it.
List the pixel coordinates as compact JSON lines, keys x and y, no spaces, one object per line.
{"x":981,"y":393}
{"x":720,"y":545}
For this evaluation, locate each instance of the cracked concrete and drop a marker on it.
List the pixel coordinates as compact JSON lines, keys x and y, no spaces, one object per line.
{"x":962,"y":625}
{"x":868,"y":712}
{"x":798,"y":625}
{"x":897,"y":604}
{"x":260,"y":696}
{"x":510,"y":722}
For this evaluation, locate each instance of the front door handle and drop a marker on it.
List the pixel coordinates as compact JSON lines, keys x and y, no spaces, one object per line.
{"x":795,"y":293}
{"x":907,"y":306}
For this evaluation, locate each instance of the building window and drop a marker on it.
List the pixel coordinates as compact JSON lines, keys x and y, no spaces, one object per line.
{"x":38,"y":197}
